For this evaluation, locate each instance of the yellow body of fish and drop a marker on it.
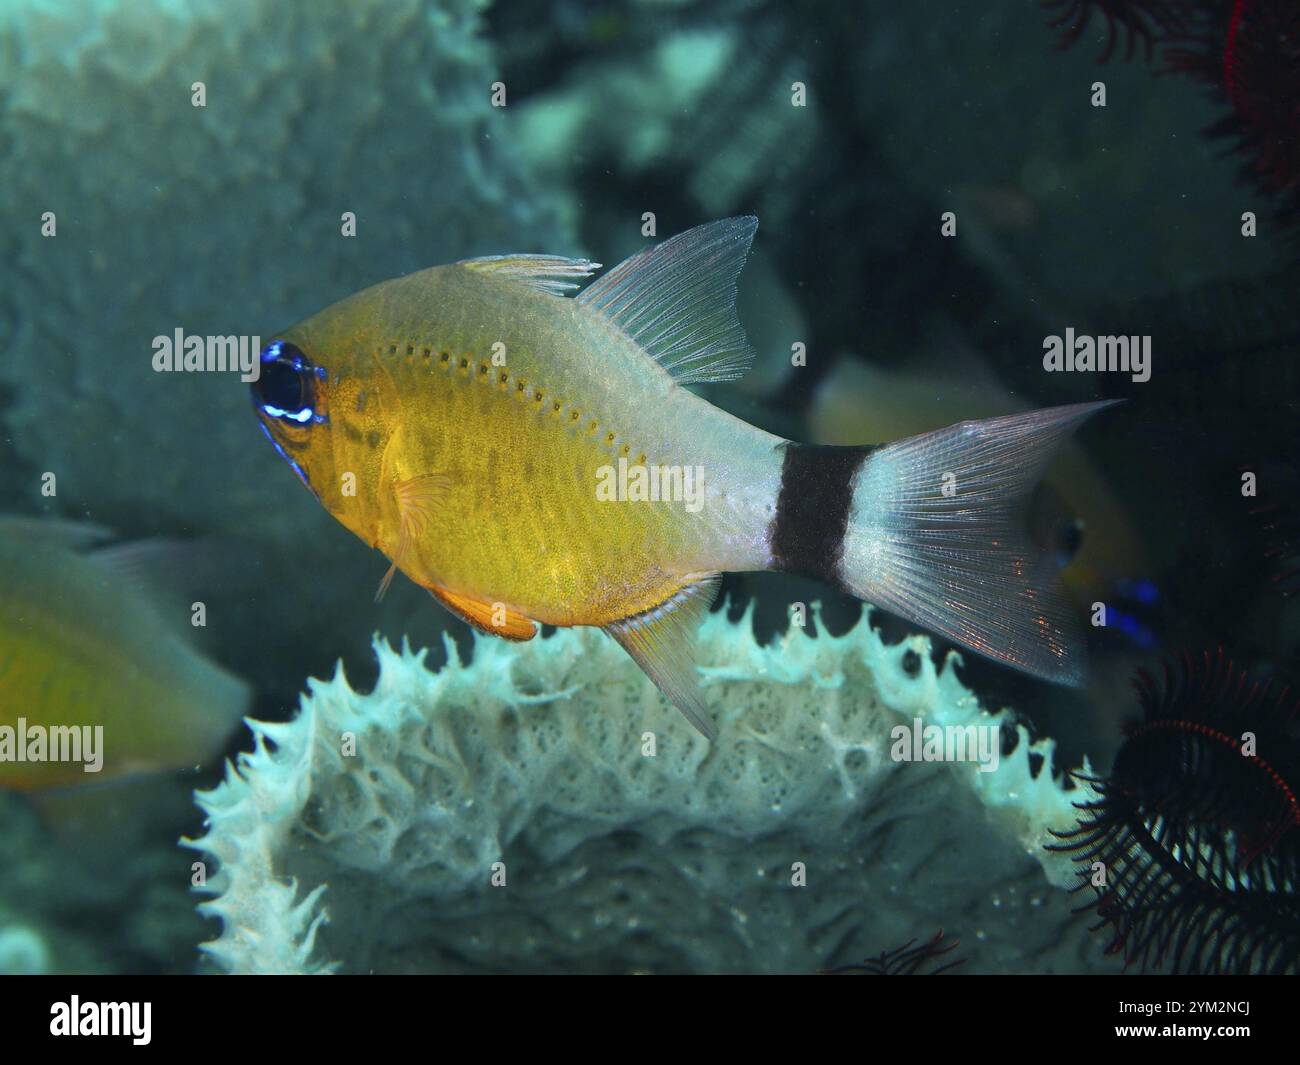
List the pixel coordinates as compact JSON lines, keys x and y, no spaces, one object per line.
{"x":468,"y":420}
{"x":81,"y":648}
{"x":500,"y":459}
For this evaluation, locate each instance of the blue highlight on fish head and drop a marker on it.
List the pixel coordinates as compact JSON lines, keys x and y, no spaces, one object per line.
{"x":286,"y":389}
{"x":302,"y":474}
{"x":303,"y":416}
{"x":287,"y":397}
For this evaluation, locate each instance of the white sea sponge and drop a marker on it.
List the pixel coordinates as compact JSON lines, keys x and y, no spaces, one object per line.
{"x":365,"y":834}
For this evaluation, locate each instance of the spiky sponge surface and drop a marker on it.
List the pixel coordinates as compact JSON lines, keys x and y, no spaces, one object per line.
{"x":362,"y":836}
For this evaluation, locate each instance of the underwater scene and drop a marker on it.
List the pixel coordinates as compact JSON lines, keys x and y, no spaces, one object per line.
{"x":649,"y":486}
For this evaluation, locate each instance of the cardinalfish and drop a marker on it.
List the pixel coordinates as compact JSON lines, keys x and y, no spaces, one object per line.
{"x":474,"y":422}
{"x":95,"y":682}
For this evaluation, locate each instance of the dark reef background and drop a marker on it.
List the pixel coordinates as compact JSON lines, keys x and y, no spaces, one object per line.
{"x":225,"y":219}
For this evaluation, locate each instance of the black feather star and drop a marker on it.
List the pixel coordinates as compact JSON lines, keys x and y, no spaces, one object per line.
{"x":1191,"y":843}
{"x":1127,"y":22}
{"x":1279,"y":521}
{"x":1246,"y":52}
{"x":908,"y":960}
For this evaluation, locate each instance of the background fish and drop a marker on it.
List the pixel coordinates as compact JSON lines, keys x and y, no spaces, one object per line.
{"x":460,"y":420}
{"x":1074,"y":514}
{"x":82,"y":643}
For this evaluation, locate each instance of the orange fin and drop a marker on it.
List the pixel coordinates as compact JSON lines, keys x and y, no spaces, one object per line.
{"x":485,"y":616}
{"x":662,"y":642}
{"x":417,"y":499}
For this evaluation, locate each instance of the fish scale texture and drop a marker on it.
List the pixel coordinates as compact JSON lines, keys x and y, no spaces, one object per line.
{"x":365,"y":834}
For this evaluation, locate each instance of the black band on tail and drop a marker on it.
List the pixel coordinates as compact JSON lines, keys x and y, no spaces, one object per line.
{"x":812,"y":509}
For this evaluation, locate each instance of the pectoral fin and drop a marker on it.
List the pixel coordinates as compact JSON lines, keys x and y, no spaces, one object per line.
{"x":492,"y":618}
{"x":417,"y":499}
{"x":662,"y":642}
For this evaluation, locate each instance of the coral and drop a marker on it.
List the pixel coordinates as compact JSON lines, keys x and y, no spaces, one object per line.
{"x":365,"y":834}
{"x":703,"y":101}
{"x":226,"y":220}
{"x":1246,"y":52}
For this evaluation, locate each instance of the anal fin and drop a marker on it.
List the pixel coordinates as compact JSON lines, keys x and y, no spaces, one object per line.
{"x":492,"y":618}
{"x":662,"y":642}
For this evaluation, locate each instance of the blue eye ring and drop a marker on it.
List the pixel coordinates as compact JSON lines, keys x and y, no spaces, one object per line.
{"x":286,"y":385}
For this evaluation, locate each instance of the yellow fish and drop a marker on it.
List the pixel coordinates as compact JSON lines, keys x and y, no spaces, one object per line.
{"x":94,"y":683}
{"x":531,"y":457}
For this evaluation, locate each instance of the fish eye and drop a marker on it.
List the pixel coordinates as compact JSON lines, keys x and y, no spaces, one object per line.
{"x":1069,"y":540}
{"x":286,"y":384}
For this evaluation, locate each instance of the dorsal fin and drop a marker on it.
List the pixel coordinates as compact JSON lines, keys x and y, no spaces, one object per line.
{"x":678,"y":301}
{"x":546,"y":273}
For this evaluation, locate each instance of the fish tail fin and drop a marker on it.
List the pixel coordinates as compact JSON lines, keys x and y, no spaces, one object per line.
{"x":933,"y":534}
{"x":226,"y":701}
